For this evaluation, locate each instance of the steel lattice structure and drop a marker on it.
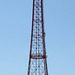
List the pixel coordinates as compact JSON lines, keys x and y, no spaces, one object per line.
{"x":37,"y":59}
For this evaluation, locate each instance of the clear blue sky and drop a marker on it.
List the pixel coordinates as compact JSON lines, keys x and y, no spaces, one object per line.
{"x":15,"y":31}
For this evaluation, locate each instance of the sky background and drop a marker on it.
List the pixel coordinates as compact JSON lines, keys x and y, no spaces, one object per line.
{"x":15,"y":32}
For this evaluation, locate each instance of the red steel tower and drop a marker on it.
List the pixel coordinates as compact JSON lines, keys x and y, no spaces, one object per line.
{"x":37,"y":58}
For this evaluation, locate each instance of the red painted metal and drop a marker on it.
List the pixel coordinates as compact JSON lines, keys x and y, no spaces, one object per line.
{"x":37,"y":58}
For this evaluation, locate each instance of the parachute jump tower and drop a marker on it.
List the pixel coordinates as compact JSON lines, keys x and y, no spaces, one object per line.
{"x":37,"y":58}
